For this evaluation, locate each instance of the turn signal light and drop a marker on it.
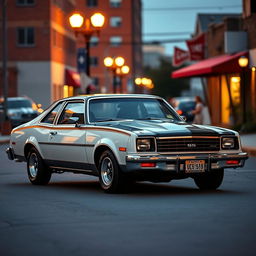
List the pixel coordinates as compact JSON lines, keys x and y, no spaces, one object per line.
{"x":232,"y":161}
{"x":148,"y":164}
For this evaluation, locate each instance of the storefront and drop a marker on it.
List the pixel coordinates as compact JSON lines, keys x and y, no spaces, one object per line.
{"x":72,"y":83}
{"x":224,"y":83}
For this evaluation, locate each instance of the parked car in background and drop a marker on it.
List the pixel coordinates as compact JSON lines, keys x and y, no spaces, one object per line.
{"x":123,"y":138}
{"x":184,"y":107}
{"x":21,"y":110}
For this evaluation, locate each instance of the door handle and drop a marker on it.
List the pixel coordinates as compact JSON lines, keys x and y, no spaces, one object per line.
{"x":53,"y":133}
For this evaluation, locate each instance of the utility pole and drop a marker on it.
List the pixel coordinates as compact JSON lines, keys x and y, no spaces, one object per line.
{"x":4,"y":57}
{"x":5,"y":124}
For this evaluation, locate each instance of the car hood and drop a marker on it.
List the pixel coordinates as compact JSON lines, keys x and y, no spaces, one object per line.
{"x":167,"y":128}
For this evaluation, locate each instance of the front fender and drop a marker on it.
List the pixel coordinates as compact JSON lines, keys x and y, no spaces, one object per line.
{"x":111,"y":145}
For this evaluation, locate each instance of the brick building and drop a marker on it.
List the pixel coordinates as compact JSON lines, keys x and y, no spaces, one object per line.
{"x":227,"y":86}
{"x":42,"y":48}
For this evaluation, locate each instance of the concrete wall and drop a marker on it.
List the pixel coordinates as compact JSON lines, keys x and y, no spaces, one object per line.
{"x":34,"y":81}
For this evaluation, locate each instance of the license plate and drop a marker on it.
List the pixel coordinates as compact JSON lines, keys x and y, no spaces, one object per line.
{"x":192,"y":166}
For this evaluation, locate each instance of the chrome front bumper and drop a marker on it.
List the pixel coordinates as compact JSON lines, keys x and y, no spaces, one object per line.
{"x":176,"y":163}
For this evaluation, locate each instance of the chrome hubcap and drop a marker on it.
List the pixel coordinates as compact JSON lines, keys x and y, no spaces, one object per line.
{"x":107,"y":171}
{"x":33,"y":165}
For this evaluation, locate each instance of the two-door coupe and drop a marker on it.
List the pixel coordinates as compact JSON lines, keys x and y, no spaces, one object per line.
{"x":123,"y":138}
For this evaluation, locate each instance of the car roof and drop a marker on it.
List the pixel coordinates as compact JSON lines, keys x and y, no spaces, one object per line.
{"x":90,"y":96}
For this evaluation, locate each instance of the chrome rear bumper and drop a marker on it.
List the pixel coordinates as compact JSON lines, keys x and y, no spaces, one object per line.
{"x":10,"y":153}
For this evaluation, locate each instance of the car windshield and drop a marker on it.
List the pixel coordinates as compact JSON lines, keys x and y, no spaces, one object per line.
{"x":187,"y":105}
{"x":19,"y":103}
{"x":129,"y":108}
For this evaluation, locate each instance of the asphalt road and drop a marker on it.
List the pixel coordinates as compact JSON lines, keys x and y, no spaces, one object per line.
{"x":72,"y":216}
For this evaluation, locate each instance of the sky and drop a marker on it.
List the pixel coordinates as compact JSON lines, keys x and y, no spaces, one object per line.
{"x":178,"y":16}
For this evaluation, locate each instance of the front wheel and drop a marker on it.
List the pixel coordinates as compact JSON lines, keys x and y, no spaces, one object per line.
{"x":209,"y":181}
{"x":110,"y":177}
{"x":38,"y":172}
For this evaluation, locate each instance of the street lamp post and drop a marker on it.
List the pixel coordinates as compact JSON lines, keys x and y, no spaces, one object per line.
{"x":144,"y":82}
{"x":243,"y":63}
{"x":116,"y":65}
{"x":121,"y":72}
{"x":87,"y":27}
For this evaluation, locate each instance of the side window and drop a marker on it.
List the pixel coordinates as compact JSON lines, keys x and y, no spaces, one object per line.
{"x":73,"y":113}
{"x":49,"y":118}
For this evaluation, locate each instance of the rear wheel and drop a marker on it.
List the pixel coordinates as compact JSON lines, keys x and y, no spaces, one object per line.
{"x":38,"y":172}
{"x":209,"y":181}
{"x":110,"y":176}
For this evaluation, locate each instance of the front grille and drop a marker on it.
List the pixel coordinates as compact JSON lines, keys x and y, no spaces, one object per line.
{"x":188,"y":144}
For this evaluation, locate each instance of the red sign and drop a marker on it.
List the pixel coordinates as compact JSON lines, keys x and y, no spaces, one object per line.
{"x":179,"y":57}
{"x":196,"y":47}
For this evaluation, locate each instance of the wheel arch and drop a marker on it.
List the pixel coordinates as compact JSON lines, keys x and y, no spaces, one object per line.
{"x":31,"y":143}
{"x":98,"y":152}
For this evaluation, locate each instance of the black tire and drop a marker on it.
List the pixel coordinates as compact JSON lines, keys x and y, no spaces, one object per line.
{"x":38,"y":172}
{"x":110,"y":176}
{"x":209,"y":181}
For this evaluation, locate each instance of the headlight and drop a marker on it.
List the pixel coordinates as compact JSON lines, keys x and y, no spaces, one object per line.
{"x":145,"y":145}
{"x":228,"y":143}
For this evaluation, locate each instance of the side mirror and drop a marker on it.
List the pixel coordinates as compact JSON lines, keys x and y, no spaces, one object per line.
{"x":184,"y":118}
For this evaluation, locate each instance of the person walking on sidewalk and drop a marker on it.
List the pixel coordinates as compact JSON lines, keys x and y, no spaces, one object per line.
{"x":198,"y":111}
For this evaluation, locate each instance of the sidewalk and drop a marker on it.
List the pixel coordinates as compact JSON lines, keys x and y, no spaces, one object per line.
{"x":4,"y":139}
{"x":248,"y":142}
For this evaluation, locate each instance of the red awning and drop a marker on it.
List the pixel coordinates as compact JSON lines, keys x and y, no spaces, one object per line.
{"x":72,"y":78}
{"x":213,"y":66}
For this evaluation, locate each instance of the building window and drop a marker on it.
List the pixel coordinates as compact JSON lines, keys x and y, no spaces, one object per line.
{"x":253,"y":6}
{"x":115,"y":21}
{"x":92,"y":3}
{"x":115,"y":3}
{"x":116,"y":40}
{"x":26,"y":36}
{"x":94,"y":61}
{"x":25,"y":2}
{"x":94,"y":41}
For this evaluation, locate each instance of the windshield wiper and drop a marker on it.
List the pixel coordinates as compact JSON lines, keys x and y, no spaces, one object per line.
{"x":154,"y":118}
{"x":107,"y":120}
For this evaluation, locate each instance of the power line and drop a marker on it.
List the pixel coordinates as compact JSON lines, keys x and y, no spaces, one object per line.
{"x":191,"y":8}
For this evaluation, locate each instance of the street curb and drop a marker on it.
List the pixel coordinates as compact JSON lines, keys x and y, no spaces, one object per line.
{"x":4,"y":142}
{"x":250,"y":150}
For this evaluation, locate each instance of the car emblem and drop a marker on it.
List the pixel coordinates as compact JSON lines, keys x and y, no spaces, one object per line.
{"x":191,"y":145}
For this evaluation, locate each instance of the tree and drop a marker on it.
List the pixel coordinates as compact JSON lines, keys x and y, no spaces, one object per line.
{"x":165,"y":86}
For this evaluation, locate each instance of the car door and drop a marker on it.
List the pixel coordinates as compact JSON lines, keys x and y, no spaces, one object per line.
{"x":67,"y":138}
{"x":45,"y":128}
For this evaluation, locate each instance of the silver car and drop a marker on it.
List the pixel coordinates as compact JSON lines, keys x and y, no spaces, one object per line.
{"x":121,"y":139}
{"x":20,"y":110}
